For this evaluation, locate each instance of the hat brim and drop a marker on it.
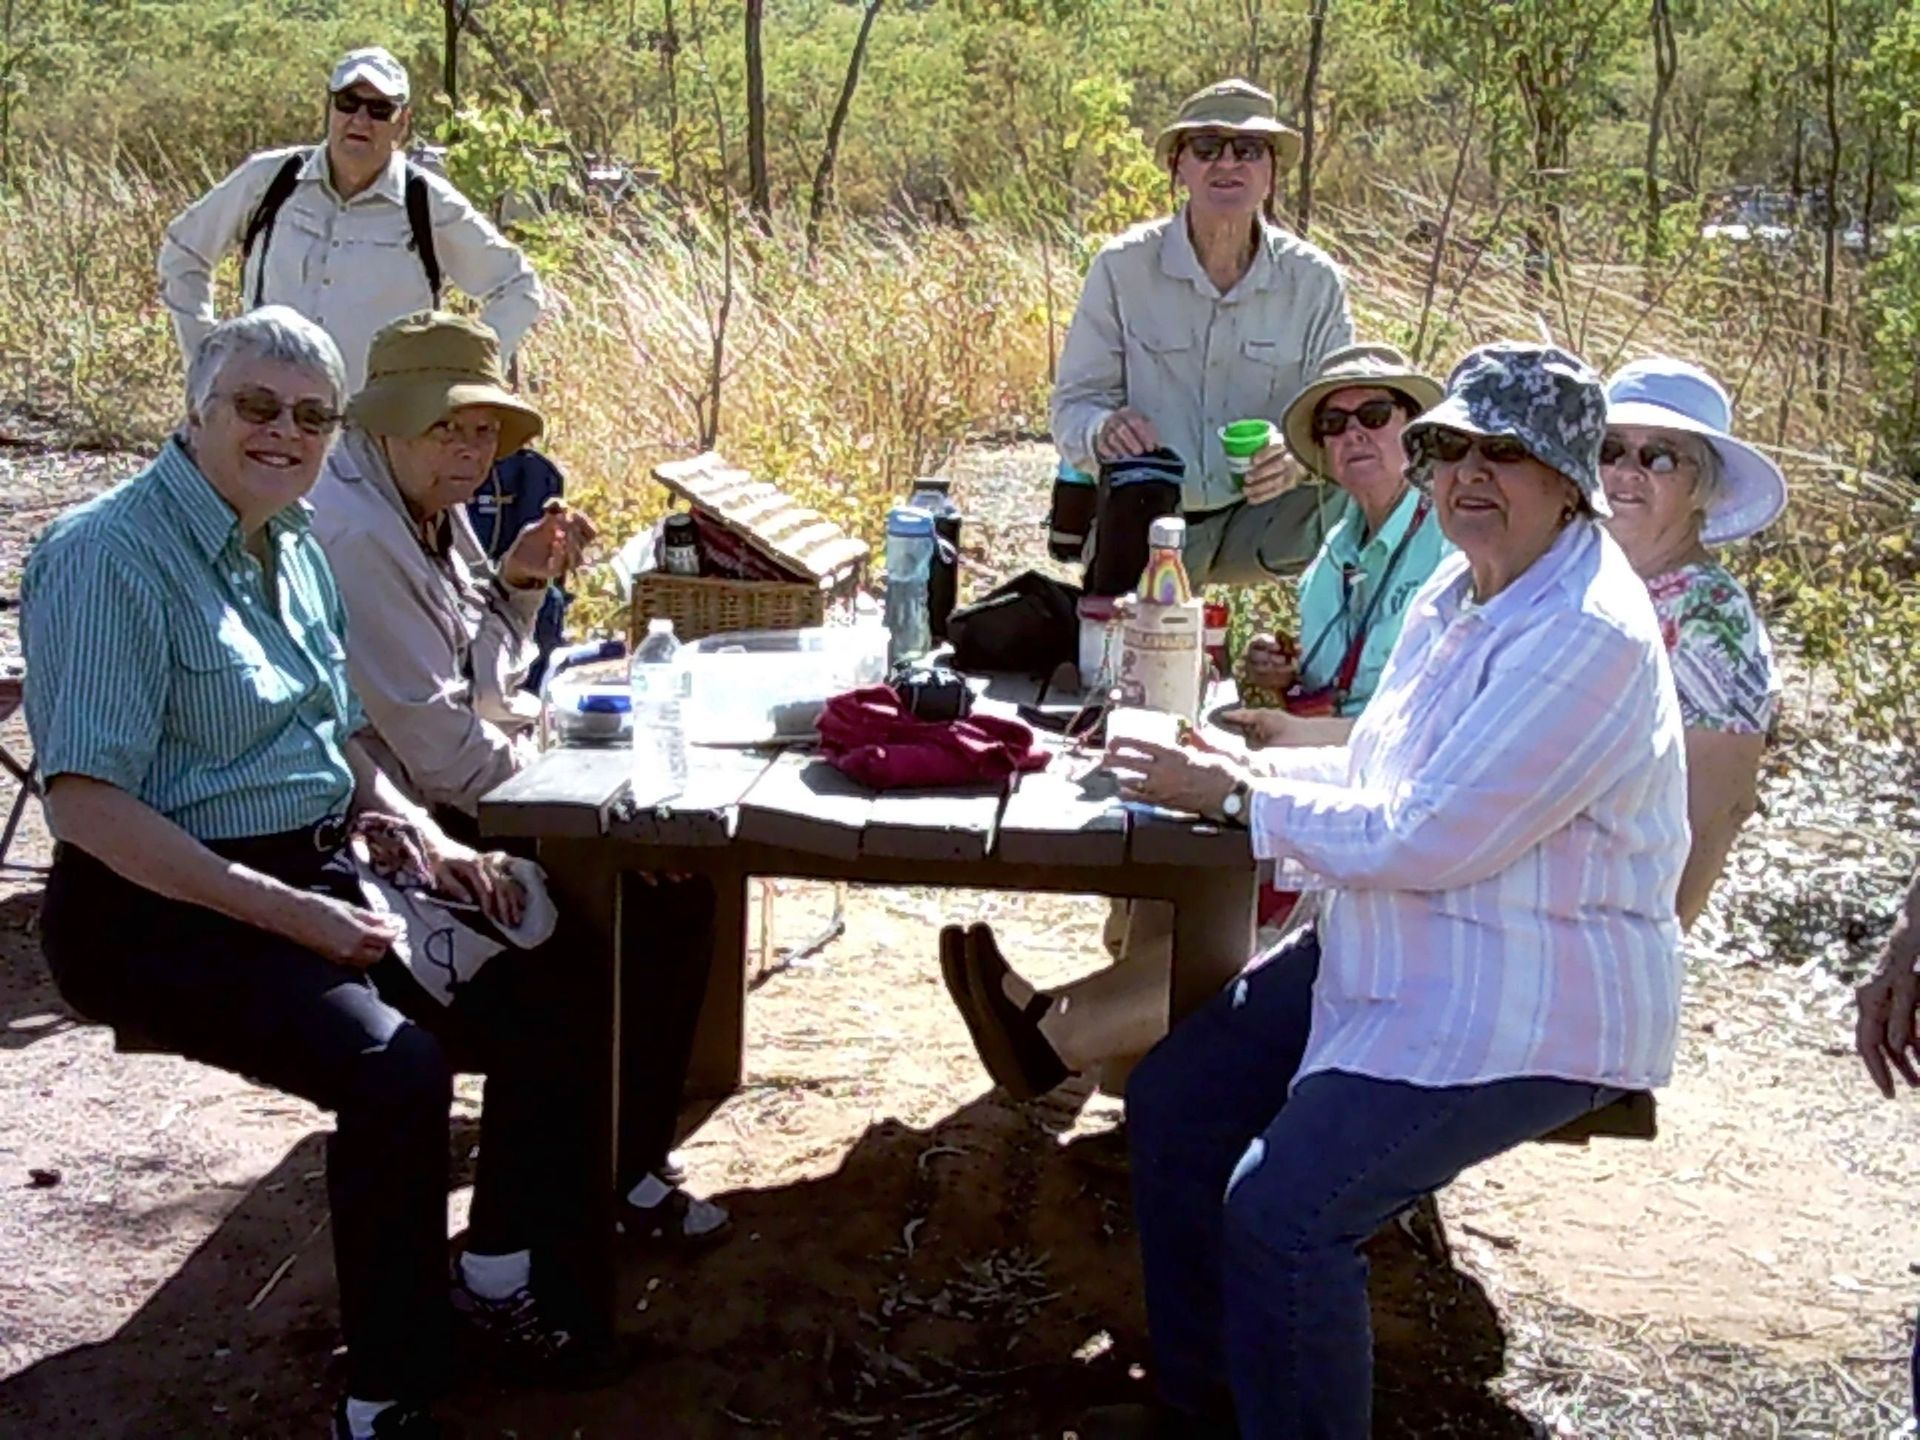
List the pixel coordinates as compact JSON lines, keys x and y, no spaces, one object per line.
{"x":1753,"y":491}
{"x":1297,"y":424}
{"x":409,"y":406}
{"x":1454,"y":413}
{"x":1286,"y":140}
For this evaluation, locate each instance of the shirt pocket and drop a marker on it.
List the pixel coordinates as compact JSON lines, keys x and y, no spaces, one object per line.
{"x":1162,"y":358}
{"x":1270,"y":375}
{"x":228,"y":695}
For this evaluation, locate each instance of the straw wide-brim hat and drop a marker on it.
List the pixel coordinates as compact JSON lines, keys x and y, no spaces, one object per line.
{"x":422,"y":368}
{"x":1662,"y":393}
{"x":1369,"y":367}
{"x":1235,"y":106}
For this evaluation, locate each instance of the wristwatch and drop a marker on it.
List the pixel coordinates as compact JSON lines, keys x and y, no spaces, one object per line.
{"x":1237,"y":803}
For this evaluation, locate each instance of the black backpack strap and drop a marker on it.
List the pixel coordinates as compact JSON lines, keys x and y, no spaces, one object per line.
{"x":260,"y":224}
{"x":420,"y":220}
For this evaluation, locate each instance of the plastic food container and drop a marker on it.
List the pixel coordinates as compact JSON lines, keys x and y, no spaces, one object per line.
{"x":755,"y":687}
{"x":589,"y":713}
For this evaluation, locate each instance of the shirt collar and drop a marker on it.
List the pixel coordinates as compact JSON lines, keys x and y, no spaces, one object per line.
{"x":390,"y":184}
{"x":1570,"y":548}
{"x":1178,"y":259}
{"x":208,"y":519}
{"x":1346,"y":541}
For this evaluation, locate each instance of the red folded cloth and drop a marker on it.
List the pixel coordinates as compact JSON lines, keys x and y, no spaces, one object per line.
{"x":868,"y":735}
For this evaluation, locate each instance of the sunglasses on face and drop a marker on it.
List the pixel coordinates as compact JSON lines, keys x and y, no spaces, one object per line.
{"x":346,"y":102}
{"x":1656,"y":457}
{"x":263,"y":407}
{"x":1329,"y":422}
{"x":1452,"y":446}
{"x":1246,"y":148}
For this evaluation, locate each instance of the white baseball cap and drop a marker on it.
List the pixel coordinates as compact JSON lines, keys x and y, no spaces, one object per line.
{"x":373,"y":66}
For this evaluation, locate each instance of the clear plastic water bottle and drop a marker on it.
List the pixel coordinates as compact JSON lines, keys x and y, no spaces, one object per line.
{"x":659,"y":684}
{"x":934,"y":494}
{"x":910,"y":547}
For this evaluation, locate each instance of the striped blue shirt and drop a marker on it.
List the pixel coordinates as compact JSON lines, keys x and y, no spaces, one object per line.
{"x":158,"y":662}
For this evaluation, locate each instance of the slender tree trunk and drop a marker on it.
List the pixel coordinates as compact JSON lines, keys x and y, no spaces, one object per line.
{"x":9,"y":64}
{"x":1254,"y":12}
{"x":450,"y":51}
{"x":1316,"y":46}
{"x":1831,"y":220}
{"x":823,"y":177}
{"x":1665,"y":63}
{"x":759,"y":188}
{"x":670,"y":62}
{"x":1871,"y":195}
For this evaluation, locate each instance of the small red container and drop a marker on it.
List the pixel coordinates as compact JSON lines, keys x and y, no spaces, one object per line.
{"x":1216,"y":616}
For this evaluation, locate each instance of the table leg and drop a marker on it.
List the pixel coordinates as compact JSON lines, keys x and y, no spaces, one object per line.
{"x":1213,"y":924}
{"x":720,"y":1042}
{"x":587,"y":882}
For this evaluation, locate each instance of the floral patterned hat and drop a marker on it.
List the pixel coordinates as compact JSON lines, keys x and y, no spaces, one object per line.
{"x":1550,"y":401}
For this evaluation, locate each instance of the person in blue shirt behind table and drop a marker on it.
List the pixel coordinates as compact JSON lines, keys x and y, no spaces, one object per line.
{"x":514,"y":496}
{"x":190,"y":707}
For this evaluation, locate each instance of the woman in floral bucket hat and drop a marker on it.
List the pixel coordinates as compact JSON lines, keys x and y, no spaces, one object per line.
{"x":1499,"y":840}
{"x":1213,"y":315}
{"x":1678,"y":484}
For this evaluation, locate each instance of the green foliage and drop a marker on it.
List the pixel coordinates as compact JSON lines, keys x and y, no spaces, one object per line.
{"x":1894,"y":342}
{"x":502,"y":151}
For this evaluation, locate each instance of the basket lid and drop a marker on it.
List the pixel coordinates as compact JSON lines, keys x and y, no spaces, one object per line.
{"x":765,"y":516}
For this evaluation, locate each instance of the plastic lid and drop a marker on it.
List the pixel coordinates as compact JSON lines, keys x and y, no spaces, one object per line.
{"x":660,"y":627}
{"x":1168,"y":530}
{"x":937,"y":484}
{"x":909,"y":521}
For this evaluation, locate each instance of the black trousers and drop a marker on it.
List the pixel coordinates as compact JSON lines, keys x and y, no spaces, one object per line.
{"x":379,"y":1052}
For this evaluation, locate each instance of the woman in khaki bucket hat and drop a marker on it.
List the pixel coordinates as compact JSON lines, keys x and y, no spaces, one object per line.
{"x":1211,"y":315}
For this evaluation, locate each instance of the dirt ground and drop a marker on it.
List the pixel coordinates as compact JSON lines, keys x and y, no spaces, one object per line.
{"x":916,"y":1256}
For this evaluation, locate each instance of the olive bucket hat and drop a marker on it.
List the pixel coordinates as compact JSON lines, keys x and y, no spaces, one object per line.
{"x":1238,"y":107}
{"x":422,"y":368}
{"x":1368,"y":367}
{"x":1550,"y":401}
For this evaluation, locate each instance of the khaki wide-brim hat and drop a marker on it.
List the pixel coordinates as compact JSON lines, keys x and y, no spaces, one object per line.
{"x":1369,"y":367}
{"x":1236,"y":106}
{"x":422,"y":368}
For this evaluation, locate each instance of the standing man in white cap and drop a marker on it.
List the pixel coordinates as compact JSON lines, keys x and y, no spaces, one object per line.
{"x":348,"y":233}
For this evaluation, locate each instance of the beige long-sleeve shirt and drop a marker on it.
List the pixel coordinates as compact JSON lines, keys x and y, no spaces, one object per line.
{"x":437,"y":646}
{"x":1154,"y":333}
{"x":346,"y":265}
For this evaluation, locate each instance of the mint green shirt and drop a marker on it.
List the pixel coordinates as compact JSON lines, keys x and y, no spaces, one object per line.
{"x":1340,"y":584}
{"x":158,"y":662}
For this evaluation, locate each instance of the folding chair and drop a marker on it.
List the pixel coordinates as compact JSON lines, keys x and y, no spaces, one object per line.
{"x":12,"y":691}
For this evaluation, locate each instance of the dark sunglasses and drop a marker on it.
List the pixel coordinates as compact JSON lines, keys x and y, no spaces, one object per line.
{"x":1329,"y":422}
{"x":1656,"y":457}
{"x":346,"y":102}
{"x":1452,"y":446}
{"x":263,"y":407}
{"x":1246,"y":148}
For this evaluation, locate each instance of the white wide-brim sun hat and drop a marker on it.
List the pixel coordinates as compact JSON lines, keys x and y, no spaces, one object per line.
{"x":1662,"y":393}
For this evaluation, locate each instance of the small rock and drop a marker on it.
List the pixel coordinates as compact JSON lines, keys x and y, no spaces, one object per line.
{"x":43,"y":1179}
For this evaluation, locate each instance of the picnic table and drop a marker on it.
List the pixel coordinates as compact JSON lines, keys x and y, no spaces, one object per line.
{"x":784,"y":812}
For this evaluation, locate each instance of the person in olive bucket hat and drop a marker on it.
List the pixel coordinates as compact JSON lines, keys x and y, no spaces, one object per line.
{"x":1211,"y":315}
{"x":439,"y":641}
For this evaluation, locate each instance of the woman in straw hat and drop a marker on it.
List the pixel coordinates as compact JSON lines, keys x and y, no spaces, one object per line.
{"x":439,"y":641}
{"x":1345,"y":425}
{"x":1500,"y":839}
{"x":1680,"y":484}
{"x":1210,"y":316}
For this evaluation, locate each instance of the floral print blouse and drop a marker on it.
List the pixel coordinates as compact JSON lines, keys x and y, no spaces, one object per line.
{"x":1721,"y":656}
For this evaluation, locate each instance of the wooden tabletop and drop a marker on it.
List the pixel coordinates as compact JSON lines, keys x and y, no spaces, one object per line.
{"x":789,"y":798}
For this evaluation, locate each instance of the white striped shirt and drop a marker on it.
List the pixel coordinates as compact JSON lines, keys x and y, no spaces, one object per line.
{"x":1503,"y":835}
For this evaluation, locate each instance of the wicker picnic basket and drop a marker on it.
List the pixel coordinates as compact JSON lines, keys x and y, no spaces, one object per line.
{"x":800,"y":541}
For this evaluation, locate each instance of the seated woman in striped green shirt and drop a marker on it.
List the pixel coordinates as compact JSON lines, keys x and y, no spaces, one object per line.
{"x":189,"y":702}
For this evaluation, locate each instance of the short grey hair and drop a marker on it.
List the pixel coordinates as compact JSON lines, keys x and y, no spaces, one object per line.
{"x":273,"y":332}
{"x":1710,"y":471}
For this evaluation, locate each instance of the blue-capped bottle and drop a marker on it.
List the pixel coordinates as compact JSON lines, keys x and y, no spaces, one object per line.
{"x":910,"y":547}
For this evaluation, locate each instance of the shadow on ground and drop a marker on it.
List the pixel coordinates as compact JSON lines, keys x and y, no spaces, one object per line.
{"x":30,"y":1008}
{"x":968,"y":1279}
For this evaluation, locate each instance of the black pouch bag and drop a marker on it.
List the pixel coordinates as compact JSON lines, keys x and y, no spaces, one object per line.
{"x":1028,"y":625}
{"x":1133,"y":494}
{"x":931,"y":691}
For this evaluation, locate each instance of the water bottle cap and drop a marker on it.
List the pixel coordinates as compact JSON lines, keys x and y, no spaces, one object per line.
{"x":1168,"y":530}
{"x":909,"y":522}
{"x":933,"y":485}
{"x":660,"y":627}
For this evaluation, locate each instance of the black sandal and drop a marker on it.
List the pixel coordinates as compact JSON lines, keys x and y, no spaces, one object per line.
{"x":1019,"y":1058}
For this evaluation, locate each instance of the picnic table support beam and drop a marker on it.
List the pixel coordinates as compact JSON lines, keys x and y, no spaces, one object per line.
{"x":718,"y":1065}
{"x":1213,"y":926}
{"x":586,"y":878}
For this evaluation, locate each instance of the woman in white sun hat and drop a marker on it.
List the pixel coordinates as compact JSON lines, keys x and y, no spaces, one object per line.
{"x":1680,"y":484}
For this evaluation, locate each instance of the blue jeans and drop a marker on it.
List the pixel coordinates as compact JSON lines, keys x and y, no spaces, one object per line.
{"x":1252,"y":1204}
